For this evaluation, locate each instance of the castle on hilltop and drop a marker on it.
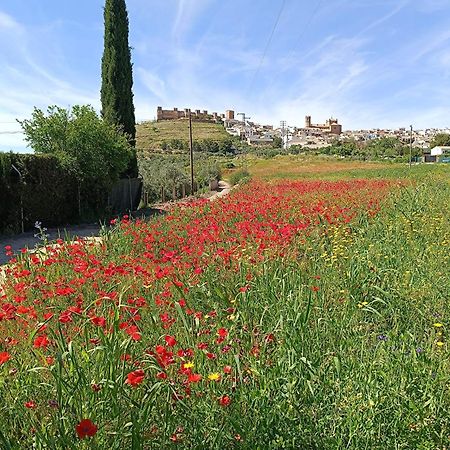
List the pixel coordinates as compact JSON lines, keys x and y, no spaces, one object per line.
{"x":330,"y":126}
{"x":197,"y":115}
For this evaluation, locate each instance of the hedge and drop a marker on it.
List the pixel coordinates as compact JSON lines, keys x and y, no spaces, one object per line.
{"x":44,"y":189}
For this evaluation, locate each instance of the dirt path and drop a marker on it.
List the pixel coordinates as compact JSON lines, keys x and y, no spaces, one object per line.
{"x":224,"y":189}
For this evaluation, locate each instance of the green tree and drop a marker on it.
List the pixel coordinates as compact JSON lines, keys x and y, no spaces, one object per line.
{"x":94,"y":150}
{"x":277,"y":142}
{"x":441,"y":139}
{"x":117,"y":74}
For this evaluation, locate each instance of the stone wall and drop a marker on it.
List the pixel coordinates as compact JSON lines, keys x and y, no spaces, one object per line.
{"x":197,"y":115}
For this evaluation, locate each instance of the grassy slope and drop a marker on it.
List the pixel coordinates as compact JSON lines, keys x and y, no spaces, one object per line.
{"x":150,"y":135}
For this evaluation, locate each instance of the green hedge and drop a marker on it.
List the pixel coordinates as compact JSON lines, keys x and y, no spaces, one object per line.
{"x":45,"y":190}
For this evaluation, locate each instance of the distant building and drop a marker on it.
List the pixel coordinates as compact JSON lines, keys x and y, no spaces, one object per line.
{"x":259,"y":140}
{"x":440,"y":150}
{"x":229,"y":114}
{"x":331,"y":126}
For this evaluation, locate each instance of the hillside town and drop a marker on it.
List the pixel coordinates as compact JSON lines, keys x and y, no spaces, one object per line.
{"x":310,"y":135}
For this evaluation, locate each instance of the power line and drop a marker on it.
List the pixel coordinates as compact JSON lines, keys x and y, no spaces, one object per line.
{"x":267,"y":45}
{"x":305,"y":28}
{"x":308,"y":23}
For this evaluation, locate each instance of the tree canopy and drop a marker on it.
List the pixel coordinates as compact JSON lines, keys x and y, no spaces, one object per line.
{"x":94,"y":150}
{"x":441,"y":139}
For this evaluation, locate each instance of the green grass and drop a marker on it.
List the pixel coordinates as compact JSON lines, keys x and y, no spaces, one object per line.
{"x":150,"y":135}
{"x":331,"y":168}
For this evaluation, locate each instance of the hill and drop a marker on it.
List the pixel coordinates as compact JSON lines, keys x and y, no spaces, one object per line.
{"x":154,"y":135}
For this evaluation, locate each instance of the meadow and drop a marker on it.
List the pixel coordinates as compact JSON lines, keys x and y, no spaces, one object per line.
{"x":307,"y":310}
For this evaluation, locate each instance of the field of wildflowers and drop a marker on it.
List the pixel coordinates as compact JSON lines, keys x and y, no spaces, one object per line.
{"x":291,"y":314}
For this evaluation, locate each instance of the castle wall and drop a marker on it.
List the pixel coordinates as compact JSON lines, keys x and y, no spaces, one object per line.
{"x":197,"y":115}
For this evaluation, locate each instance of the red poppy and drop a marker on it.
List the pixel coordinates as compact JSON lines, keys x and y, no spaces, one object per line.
{"x":30,"y":404}
{"x":222,"y":332}
{"x":225,"y":400}
{"x":135,"y":378}
{"x":170,"y":341}
{"x":41,"y":342}
{"x":227,"y":369}
{"x":4,"y":356}
{"x":86,"y":428}
{"x":99,"y":321}
{"x":194,"y":377}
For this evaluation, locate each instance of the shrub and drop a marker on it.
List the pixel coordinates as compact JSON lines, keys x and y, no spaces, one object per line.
{"x":45,"y":189}
{"x":240,"y":176}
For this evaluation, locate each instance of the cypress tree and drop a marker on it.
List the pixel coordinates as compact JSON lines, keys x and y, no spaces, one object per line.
{"x":117,"y":74}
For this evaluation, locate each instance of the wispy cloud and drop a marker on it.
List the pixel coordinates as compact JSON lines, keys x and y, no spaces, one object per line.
{"x":9,"y":24}
{"x":153,"y":83}
{"x":187,"y":12}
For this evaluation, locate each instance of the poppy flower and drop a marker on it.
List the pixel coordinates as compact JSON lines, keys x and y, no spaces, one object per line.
{"x":225,"y":400}
{"x":99,"y":321}
{"x":170,"y":341}
{"x":41,"y":342}
{"x":30,"y":404}
{"x":86,"y":428}
{"x":194,"y":377}
{"x":135,"y":378}
{"x":4,"y":356}
{"x":222,"y":332}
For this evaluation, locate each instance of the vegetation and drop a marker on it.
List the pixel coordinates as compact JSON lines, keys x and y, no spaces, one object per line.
{"x":87,"y":146}
{"x":117,"y":76}
{"x":291,"y":314}
{"x":331,"y":168}
{"x":172,"y":174}
{"x":239,"y":176}
{"x":441,"y":139}
{"x":376,"y":149}
{"x":36,"y":188}
{"x":173,"y":135}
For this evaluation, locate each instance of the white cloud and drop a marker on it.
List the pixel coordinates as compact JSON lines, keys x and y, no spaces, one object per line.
{"x":7,"y":23}
{"x":187,"y":12}
{"x":153,"y":83}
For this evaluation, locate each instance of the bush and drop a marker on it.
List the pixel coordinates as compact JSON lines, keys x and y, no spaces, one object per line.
{"x":90,"y":148}
{"x":45,"y":189}
{"x":240,"y":176}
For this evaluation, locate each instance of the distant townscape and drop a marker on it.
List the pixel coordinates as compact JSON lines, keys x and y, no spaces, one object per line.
{"x":311,"y":135}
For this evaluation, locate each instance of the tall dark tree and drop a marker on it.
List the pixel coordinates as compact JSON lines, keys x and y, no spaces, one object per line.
{"x":117,"y":74}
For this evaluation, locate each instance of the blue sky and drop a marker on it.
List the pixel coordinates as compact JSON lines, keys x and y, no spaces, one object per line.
{"x":370,"y":63}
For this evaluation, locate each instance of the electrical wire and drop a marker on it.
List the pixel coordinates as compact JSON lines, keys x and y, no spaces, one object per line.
{"x":308,"y":23}
{"x":267,"y":46}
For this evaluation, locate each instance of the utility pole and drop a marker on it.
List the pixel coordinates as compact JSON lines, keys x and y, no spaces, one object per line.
{"x":283,"y":127}
{"x":410,"y":146}
{"x":191,"y":153}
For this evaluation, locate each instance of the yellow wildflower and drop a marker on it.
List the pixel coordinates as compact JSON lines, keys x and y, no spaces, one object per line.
{"x":214,"y":376}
